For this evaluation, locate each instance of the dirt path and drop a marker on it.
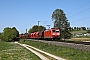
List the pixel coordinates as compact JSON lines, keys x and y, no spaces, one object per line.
{"x":38,"y":52}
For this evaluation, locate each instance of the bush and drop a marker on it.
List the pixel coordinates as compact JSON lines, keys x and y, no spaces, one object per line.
{"x":10,"y":34}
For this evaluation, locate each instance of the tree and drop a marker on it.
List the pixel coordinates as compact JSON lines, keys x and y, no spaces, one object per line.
{"x":15,"y":31}
{"x":10,"y":34}
{"x":60,"y":21}
{"x":0,"y":36}
{"x":75,"y":28}
{"x":88,"y":31}
{"x":83,"y":28}
{"x":79,"y":28}
{"x":35,"y":28}
{"x":88,"y":28}
{"x":72,"y":28}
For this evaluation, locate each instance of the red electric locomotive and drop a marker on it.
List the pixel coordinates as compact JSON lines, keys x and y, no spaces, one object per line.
{"x":53,"y":33}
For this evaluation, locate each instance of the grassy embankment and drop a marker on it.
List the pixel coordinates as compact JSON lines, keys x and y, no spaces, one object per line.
{"x":12,"y":51}
{"x":64,"y":52}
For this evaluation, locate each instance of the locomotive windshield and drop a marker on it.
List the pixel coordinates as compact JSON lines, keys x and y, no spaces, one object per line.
{"x":55,"y":30}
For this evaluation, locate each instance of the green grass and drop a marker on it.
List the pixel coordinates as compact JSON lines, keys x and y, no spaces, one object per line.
{"x":81,"y":31}
{"x":12,"y":51}
{"x":64,"y":52}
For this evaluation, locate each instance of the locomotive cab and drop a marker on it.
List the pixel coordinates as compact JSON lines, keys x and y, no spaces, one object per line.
{"x":55,"y":33}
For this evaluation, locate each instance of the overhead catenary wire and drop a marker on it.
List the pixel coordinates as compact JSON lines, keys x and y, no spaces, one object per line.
{"x":80,"y":19}
{"x":79,"y":7}
{"x":44,"y":22}
{"x":83,"y":12}
{"x":80,"y":12}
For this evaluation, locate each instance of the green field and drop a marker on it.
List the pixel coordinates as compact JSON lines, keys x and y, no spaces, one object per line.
{"x":12,"y":51}
{"x":81,"y":38}
{"x":81,"y":31}
{"x":64,"y":52}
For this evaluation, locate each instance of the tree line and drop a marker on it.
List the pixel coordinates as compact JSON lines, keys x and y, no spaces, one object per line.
{"x":36,"y":28}
{"x":78,"y":28}
{"x":9,"y":34}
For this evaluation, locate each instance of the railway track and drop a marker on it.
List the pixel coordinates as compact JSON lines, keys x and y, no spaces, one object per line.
{"x":67,"y":41}
{"x":71,"y":44}
{"x":76,"y":42}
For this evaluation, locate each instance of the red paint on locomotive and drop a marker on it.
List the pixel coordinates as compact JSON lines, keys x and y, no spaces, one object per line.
{"x":34,"y":35}
{"x":52,"y":33}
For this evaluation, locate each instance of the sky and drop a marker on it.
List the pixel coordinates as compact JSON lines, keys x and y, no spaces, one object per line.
{"x":24,"y":14}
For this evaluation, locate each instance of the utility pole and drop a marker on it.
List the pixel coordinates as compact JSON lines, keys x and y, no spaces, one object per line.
{"x":38,"y":26}
{"x":26,"y":34}
{"x":38,"y":29}
{"x":26,"y":30}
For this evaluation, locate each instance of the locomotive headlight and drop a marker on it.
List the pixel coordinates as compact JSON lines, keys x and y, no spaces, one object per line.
{"x":53,"y":34}
{"x":58,"y":34}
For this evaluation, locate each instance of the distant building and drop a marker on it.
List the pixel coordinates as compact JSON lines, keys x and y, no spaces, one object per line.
{"x":80,"y":34}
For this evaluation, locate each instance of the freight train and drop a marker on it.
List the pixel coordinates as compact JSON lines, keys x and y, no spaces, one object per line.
{"x":52,"y":33}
